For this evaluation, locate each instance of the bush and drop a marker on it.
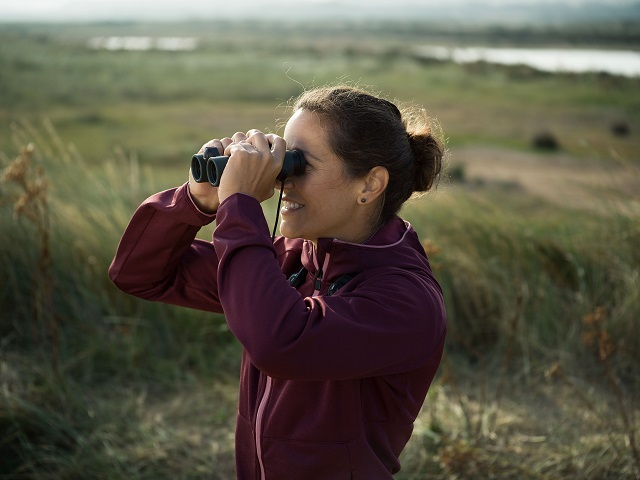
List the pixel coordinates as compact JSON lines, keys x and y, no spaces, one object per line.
{"x":545,"y":141}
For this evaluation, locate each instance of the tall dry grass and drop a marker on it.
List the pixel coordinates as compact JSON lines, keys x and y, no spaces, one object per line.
{"x":77,"y":358}
{"x":540,"y":377}
{"x":131,"y":389}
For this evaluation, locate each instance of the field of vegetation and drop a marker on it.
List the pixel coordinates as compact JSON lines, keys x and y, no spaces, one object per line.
{"x":534,"y":233}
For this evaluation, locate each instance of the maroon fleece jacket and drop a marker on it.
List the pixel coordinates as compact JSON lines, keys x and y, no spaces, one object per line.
{"x":330,"y":384}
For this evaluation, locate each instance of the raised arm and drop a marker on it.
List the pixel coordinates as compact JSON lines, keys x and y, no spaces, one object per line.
{"x":160,"y":259}
{"x":384,"y":322}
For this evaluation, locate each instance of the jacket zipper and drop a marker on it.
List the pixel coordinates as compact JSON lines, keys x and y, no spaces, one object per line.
{"x":317,"y":283}
{"x":259,"y":420}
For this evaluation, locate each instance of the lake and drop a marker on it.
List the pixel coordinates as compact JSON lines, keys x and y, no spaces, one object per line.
{"x":175,"y":44}
{"x":615,"y":62}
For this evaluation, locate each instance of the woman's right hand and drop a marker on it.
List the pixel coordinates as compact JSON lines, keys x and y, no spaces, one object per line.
{"x":205,"y":195}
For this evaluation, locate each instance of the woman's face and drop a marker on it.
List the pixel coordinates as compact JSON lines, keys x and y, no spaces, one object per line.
{"x":323,"y":202}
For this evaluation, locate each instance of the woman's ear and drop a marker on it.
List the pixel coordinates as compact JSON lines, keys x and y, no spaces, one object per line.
{"x":374,"y":184}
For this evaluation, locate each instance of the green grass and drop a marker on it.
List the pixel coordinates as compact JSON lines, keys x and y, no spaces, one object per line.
{"x":96,"y":384}
{"x":97,"y":98}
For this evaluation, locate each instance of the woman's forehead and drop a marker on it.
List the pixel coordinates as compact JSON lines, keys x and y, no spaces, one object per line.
{"x":302,"y":117}
{"x":306,"y":127}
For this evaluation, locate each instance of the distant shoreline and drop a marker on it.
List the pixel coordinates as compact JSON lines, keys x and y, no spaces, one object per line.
{"x":614,"y":62}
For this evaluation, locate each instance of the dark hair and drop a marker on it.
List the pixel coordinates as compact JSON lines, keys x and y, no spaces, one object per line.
{"x":368,"y":130}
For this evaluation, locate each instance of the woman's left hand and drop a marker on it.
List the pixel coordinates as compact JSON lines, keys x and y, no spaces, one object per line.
{"x":255,"y":160}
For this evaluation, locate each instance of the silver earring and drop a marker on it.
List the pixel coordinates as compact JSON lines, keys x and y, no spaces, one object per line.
{"x":363,"y":200}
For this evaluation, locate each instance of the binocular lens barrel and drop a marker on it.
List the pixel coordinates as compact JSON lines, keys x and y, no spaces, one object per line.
{"x":208,"y":166}
{"x":199,"y":168}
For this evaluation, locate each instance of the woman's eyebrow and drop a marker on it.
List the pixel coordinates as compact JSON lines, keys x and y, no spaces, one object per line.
{"x":306,"y":153}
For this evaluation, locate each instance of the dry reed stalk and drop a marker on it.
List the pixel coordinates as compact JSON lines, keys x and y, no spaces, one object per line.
{"x":30,"y":201}
{"x":596,"y":337}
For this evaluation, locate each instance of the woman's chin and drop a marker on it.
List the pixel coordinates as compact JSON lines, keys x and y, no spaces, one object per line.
{"x":287,"y":231}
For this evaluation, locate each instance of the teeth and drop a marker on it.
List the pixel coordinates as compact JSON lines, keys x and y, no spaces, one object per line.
{"x":290,"y":205}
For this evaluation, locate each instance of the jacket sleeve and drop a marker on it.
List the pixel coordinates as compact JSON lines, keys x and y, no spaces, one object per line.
{"x":159,"y":258}
{"x":391,"y":322}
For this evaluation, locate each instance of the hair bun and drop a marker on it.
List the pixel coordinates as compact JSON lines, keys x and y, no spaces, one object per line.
{"x":428,"y":152}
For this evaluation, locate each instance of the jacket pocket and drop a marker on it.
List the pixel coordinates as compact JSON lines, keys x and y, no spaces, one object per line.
{"x":315,"y":412}
{"x":306,"y":460}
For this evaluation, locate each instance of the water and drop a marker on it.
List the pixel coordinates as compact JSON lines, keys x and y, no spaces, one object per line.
{"x":615,"y":62}
{"x":175,"y":44}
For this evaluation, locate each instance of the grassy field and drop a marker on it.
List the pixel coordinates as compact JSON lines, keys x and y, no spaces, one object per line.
{"x":537,"y":249}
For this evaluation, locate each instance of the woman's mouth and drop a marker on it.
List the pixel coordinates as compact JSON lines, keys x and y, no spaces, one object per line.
{"x":288,"y":206}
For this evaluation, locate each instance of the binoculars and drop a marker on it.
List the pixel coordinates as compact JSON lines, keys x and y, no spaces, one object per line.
{"x":210,"y":165}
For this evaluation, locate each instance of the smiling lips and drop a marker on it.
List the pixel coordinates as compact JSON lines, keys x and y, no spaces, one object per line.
{"x":289,"y":206}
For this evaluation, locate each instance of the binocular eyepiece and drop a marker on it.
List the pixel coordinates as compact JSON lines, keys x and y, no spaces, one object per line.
{"x":208,"y":166}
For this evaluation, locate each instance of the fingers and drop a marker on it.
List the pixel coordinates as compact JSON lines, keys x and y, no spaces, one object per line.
{"x":253,"y":138}
{"x":278,"y":145}
{"x":239,"y":137}
{"x":236,"y":138}
{"x":253,"y":131}
{"x":213,"y":143}
{"x":220,"y":144}
{"x":242,"y":146}
{"x":259,"y":141}
{"x":270,"y":141}
{"x":255,"y":159}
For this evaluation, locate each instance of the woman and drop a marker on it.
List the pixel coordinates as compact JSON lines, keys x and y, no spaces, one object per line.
{"x":341,"y":319}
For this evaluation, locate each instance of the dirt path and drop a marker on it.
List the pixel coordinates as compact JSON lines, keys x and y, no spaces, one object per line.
{"x":557,"y":178}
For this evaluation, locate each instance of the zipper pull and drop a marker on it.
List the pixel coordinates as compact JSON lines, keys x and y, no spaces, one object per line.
{"x":318,"y":282}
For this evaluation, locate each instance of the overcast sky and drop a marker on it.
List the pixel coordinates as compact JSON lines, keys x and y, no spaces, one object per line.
{"x":79,"y":10}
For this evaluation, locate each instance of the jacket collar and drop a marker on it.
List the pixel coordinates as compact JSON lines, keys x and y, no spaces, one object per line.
{"x":395,"y":244}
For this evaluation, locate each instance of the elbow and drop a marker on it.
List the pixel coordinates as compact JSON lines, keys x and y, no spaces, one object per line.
{"x":277,"y":367}
{"x":274,"y":341}
{"x":114,"y":275}
{"x":112,"y":271}
{"x":269,"y":357}
{"x":126,"y":284}
{"x":266,"y":361}
{"x":260,"y":352}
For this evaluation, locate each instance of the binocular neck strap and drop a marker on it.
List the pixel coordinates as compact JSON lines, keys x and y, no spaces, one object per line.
{"x":275,"y":225}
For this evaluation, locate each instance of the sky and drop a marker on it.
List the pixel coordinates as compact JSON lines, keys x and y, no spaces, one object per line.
{"x":101,"y":10}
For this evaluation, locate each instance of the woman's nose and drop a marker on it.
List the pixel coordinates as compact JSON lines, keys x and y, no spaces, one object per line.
{"x":288,"y":184}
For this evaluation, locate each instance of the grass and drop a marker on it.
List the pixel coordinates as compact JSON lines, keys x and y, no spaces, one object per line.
{"x":97,"y":98}
{"x":540,"y":376}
